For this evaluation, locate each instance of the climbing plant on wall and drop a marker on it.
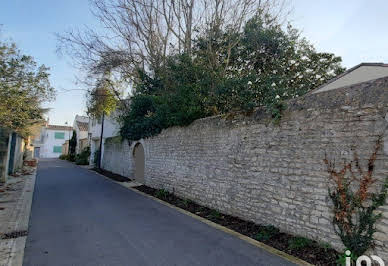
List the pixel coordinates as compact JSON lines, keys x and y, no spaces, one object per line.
{"x":354,"y":217}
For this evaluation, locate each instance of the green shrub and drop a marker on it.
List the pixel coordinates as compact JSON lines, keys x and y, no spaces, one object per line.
{"x":266,"y":66}
{"x":187,"y":202}
{"x":96,"y":157}
{"x":299,"y":243}
{"x":266,"y":233}
{"x":72,"y":146}
{"x":71,"y":157}
{"x":81,"y":161}
{"x":175,"y":99}
{"x":325,"y":246}
{"x":354,"y":210}
{"x":63,"y":157}
{"x":214,"y":214}
{"x":162,"y":194}
{"x":83,"y":157}
{"x":68,"y":157}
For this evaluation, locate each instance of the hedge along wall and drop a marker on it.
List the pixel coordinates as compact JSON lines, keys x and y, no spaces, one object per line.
{"x":275,"y":174}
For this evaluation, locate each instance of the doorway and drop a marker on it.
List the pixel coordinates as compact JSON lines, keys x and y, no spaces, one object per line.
{"x":138,"y":154}
{"x":36,"y":152}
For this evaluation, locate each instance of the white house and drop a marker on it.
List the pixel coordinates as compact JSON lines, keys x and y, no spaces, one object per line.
{"x":81,"y":128}
{"x":49,"y":143}
{"x":111,"y":129}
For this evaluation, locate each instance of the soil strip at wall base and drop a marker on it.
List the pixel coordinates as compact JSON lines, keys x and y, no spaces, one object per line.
{"x":111,"y":175}
{"x":308,"y":250}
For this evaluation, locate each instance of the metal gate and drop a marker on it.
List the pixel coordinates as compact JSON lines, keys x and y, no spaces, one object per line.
{"x":12,"y":154}
{"x":36,"y":152}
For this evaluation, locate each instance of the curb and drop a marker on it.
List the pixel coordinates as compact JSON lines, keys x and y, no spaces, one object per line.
{"x":251,"y":241}
{"x":22,"y":215}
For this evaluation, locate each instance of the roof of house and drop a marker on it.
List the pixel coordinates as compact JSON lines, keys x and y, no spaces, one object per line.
{"x":81,"y":118}
{"x":58,"y":127}
{"x":83,"y":126}
{"x":357,"y":74}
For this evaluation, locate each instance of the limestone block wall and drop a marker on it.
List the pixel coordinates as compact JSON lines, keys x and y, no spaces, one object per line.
{"x":273,"y":174}
{"x":117,"y":157}
{"x":19,"y":152}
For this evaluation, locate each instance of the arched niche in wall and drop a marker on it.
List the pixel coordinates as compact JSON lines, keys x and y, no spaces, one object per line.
{"x":138,"y":155}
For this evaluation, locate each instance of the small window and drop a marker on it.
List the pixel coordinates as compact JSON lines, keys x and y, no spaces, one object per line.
{"x":57,"y":149}
{"x":59,"y":135}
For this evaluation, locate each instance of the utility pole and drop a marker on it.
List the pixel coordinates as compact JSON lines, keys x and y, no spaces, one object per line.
{"x":68,"y":143}
{"x":102,"y":134}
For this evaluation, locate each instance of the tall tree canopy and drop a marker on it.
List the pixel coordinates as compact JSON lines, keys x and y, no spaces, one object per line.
{"x":189,"y":59}
{"x":101,"y":99}
{"x":267,"y":66}
{"x":24,"y":87}
{"x":143,"y":33}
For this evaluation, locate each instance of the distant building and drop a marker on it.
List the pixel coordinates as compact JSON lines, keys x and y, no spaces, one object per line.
{"x":360,"y":73}
{"x":111,"y":129}
{"x":49,"y":143}
{"x":81,"y":127}
{"x":65,"y":147}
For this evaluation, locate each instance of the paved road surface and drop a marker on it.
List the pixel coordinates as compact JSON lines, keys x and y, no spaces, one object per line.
{"x":80,"y":218}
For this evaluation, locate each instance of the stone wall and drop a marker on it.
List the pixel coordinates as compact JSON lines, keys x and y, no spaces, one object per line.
{"x":117,"y":157}
{"x":18,"y":154}
{"x":271,"y":174}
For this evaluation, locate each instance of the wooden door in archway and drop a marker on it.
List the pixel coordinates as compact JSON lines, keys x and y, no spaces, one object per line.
{"x":138,"y":154}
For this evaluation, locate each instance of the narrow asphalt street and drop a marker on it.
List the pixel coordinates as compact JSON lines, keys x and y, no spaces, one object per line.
{"x":80,"y":218}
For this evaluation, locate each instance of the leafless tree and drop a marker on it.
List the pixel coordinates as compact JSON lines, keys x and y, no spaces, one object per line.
{"x":142,"y":33}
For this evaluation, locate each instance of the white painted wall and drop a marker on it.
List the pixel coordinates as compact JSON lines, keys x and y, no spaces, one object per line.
{"x":49,"y":141}
{"x":111,"y":129}
{"x":360,"y":74}
{"x":80,"y":134}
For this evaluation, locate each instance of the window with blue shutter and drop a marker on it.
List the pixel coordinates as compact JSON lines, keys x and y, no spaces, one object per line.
{"x":59,"y":135}
{"x":57,"y":149}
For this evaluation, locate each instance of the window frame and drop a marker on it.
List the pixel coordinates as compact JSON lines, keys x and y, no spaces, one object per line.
{"x":57,"y":149}
{"x":59,"y":133}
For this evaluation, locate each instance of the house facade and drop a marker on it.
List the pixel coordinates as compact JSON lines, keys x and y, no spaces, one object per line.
{"x":65,"y":148}
{"x":81,"y":128}
{"x":360,"y":73}
{"x":111,"y":129}
{"x":49,"y":143}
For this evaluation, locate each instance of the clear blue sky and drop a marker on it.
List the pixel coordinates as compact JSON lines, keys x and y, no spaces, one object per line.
{"x":353,"y":29}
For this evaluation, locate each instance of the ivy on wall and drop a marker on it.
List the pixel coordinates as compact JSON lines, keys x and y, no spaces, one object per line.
{"x":354,"y":210}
